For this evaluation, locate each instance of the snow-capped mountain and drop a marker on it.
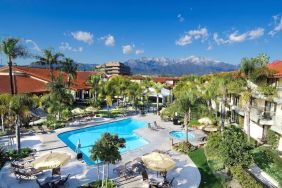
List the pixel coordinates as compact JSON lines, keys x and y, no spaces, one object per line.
{"x":177,"y":67}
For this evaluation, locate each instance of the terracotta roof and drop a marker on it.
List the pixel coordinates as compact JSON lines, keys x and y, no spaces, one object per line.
{"x":44,"y":74}
{"x":164,"y":79}
{"x":22,"y":84}
{"x":276,"y":66}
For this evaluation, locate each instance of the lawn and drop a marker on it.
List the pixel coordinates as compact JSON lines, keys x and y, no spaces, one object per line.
{"x":208,"y":179}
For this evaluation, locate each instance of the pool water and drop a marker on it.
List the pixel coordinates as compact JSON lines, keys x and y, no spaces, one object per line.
{"x":182,"y":135}
{"x":88,"y":136}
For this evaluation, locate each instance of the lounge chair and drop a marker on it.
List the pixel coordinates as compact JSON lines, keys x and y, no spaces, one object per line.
{"x":37,"y":129}
{"x":62,"y":181}
{"x":45,"y":128}
{"x":152,"y":128}
{"x":43,"y":184}
{"x":156,"y":125}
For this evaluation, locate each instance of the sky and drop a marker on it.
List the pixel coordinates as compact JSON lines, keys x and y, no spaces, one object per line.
{"x":97,"y":31}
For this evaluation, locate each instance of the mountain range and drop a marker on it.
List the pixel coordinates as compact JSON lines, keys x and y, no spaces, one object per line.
{"x":177,"y":67}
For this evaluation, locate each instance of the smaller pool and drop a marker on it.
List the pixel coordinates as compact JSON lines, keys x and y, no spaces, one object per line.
{"x":182,"y":135}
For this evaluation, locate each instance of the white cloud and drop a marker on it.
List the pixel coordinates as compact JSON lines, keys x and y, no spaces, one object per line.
{"x":277,"y":25}
{"x":86,"y":37}
{"x":256,"y":33}
{"x":236,"y":37}
{"x":127,"y":49}
{"x":34,"y":45}
{"x":66,"y":46}
{"x":109,"y":40}
{"x":188,"y":37}
{"x":139,"y":51}
{"x":180,"y":18}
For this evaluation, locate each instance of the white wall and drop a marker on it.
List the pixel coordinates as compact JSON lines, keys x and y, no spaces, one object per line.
{"x":280,"y":144}
{"x":256,"y":130}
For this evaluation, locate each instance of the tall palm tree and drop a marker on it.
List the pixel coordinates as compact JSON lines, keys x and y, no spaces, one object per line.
{"x":20,"y":106}
{"x":70,"y":68}
{"x":4,"y":107}
{"x":49,"y":58}
{"x":255,"y":73}
{"x":12,"y":49}
{"x":158,"y":88}
{"x":188,"y":99}
{"x":94,"y":81}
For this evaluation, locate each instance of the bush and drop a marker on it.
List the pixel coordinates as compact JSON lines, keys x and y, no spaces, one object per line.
{"x":272,"y":139}
{"x":269,"y":161}
{"x":12,"y":154}
{"x":213,"y":151}
{"x":244,"y":178}
{"x":184,"y":147}
{"x":98,"y":184}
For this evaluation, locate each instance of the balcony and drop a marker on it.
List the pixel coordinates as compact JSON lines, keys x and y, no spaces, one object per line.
{"x":262,"y":117}
{"x":238,"y":109}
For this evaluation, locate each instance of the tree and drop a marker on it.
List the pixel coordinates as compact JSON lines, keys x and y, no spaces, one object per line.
{"x":70,"y":68}
{"x":58,"y":98}
{"x":109,"y":102}
{"x":235,"y":149}
{"x":20,"y":106}
{"x":255,"y":74}
{"x":158,"y":88}
{"x":4,"y":107}
{"x":94,"y":81}
{"x":49,"y":58}
{"x":106,"y":150}
{"x":12,"y":49}
{"x":133,"y":92}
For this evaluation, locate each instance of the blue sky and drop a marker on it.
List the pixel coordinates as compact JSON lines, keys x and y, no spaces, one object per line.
{"x":100,"y":31}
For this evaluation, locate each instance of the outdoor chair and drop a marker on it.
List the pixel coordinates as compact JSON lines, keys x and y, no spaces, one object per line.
{"x":168,"y":185}
{"x":152,"y":128}
{"x":43,"y":184}
{"x":156,"y":125}
{"x":62,"y":181}
{"x":45,"y":128}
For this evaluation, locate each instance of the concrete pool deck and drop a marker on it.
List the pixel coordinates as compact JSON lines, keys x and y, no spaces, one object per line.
{"x":186,"y":173}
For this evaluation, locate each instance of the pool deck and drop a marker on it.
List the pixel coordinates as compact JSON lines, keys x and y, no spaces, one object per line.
{"x":186,"y":173}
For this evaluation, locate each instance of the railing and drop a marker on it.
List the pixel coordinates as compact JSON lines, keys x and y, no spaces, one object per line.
{"x":260,"y":114}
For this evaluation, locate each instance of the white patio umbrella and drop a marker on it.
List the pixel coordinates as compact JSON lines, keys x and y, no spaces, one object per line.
{"x":158,"y":161}
{"x":205,"y":121}
{"x":51,"y":160}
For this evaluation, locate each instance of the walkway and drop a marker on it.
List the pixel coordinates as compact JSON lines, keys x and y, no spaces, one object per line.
{"x":186,"y":173}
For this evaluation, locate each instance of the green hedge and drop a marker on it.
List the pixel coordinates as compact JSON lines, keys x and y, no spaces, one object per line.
{"x":272,"y":139}
{"x":12,"y":154}
{"x":244,"y":178}
{"x":184,"y":147}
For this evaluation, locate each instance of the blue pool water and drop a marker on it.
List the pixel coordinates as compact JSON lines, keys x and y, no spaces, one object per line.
{"x":88,"y":136}
{"x":182,"y":135}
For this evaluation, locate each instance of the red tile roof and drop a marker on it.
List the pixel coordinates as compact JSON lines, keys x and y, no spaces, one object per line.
{"x":44,"y":74}
{"x":277,"y":67}
{"x":22,"y":84}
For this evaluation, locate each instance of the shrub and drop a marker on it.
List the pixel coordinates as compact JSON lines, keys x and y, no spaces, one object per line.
{"x":184,"y":147}
{"x":213,"y":151}
{"x":244,"y":178}
{"x":234,"y":148}
{"x":13,"y":154}
{"x":98,"y":184}
{"x":272,"y":139}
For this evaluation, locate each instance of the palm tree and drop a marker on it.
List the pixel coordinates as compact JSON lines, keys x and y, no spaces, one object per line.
{"x":158,"y":88}
{"x":70,"y":68}
{"x":188,"y":99}
{"x":49,"y":58}
{"x":94,"y":81}
{"x":255,"y":73}
{"x":11,"y":48}
{"x":134,"y":91}
{"x":20,"y":106}
{"x":4,"y":107}
{"x":107,"y":150}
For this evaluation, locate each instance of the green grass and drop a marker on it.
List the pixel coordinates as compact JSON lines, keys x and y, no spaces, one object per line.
{"x":208,"y":179}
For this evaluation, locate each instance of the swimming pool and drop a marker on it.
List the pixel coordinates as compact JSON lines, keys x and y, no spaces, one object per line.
{"x":88,"y":136}
{"x":182,"y":135}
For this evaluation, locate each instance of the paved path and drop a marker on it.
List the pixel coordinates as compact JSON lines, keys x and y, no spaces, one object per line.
{"x":186,"y":173}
